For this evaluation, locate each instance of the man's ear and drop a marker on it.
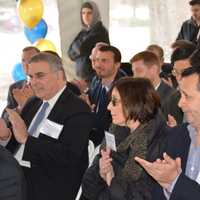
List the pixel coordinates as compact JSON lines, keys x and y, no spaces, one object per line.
{"x":118,"y":65}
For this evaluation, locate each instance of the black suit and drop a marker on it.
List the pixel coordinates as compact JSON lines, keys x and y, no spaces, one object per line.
{"x":178,"y":145}
{"x":12,"y":181}
{"x":169,"y":98}
{"x":57,"y":165}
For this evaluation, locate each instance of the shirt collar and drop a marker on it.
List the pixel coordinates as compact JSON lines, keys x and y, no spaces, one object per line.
{"x":157,"y":86}
{"x":53,"y":100}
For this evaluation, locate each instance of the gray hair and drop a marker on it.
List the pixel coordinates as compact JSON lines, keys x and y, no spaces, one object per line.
{"x":54,"y":61}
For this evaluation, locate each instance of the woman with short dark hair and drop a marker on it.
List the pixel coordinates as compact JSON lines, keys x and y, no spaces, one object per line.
{"x":114,"y":175}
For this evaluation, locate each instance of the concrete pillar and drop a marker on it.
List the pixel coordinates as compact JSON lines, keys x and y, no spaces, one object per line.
{"x":70,"y":25}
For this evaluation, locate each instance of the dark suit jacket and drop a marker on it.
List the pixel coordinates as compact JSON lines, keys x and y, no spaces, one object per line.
{"x":102,"y":118}
{"x":57,"y":165}
{"x":12,"y":181}
{"x":169,"y":98}
{"x":178,"y":146}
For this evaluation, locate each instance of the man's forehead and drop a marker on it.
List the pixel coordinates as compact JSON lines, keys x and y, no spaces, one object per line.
{"x":104,"y":54}
{"x":189,"y":82}
{"x":40,"y":66}
{"x":182,"y":64}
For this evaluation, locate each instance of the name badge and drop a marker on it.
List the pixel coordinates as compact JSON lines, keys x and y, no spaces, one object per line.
{"x":110,"y":141}
{"x":51,"y":129}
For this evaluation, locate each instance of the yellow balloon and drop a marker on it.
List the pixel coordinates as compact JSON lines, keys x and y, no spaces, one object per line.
{"x":30,"y":12}
{"x":45,"y":45}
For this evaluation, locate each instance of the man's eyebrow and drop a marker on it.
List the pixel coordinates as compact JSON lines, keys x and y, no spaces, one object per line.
{"x":36,"y":74}
{"x":184,"y":92}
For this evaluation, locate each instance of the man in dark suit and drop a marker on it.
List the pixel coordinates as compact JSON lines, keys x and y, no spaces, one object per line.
{"x":146,"y":64}
{"x":190,"y":28}
{"x":106,"y":62}
{"x":179,"y":171}
{"x":50,"y":139}
{"x":12,"y":181}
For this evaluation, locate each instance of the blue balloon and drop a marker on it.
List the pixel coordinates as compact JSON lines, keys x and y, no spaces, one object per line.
{"x":18,"y":72}
{"x":38,"y":32}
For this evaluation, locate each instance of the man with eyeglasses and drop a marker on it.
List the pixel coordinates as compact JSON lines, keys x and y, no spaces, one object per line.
{"x":180,"y":59}
{"x":50,"y":136}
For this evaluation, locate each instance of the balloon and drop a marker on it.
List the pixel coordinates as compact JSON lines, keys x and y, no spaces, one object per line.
{"x":30,"y":12}
{"x":39,"y":31}
{"x":18,"y":72}
{"x":44,"y":45}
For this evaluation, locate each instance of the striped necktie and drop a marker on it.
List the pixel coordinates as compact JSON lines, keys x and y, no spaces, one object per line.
{"x":40,"y":116}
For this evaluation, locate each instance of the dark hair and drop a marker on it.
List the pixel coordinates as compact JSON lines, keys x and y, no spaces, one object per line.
{"x":195,"y":58}
{"x":29,"y":48}
{"x":194,"y":2}
{"x":114,"y":50}
{"x":195,"y":69}
{"x":190,"y":71}
{"x":182,"y":53}
{"x":139,"y":99}
{"x":182,"y":44}
{"x":147,"y":57}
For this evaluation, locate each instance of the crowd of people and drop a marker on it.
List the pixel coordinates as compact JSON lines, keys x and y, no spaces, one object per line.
{"x":142,"y":117}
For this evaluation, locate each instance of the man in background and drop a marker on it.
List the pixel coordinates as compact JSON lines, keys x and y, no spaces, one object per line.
{"x":190,"y":28}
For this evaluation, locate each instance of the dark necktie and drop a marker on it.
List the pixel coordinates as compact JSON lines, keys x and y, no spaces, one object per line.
{"x":40,"y":116}
{"x":102,"y":100}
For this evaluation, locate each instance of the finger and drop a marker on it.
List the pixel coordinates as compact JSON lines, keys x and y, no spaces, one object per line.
{"x":168,"y":159}
{"x":108,"y":150}
{"x":144,"y":163}
{"x":158,"y":160}
{"x":104,"y":154}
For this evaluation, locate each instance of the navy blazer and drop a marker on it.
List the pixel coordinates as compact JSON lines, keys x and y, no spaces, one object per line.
{"x":169,"y":99}
{"x":102,"y":118}
{"x":178,"y":145}
{"x":57,"y":165}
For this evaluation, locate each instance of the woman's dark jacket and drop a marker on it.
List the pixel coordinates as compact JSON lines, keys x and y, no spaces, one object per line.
{"x":80,"y":49}
{"x":131,"y":182}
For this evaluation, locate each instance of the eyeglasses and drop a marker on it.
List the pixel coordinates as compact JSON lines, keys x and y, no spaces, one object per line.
{"x":114,"y":101}
{"x":176,"y":72}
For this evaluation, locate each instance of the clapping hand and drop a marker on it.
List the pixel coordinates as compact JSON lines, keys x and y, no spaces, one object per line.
{"x":18,"y":126}
{"x":163,"y":171}
{"x":105,"y":167}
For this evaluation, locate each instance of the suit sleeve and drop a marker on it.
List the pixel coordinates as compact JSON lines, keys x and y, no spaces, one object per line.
{"x":11,"y":182}
{"x":68,"y":148}
{"x":185,"y":189}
